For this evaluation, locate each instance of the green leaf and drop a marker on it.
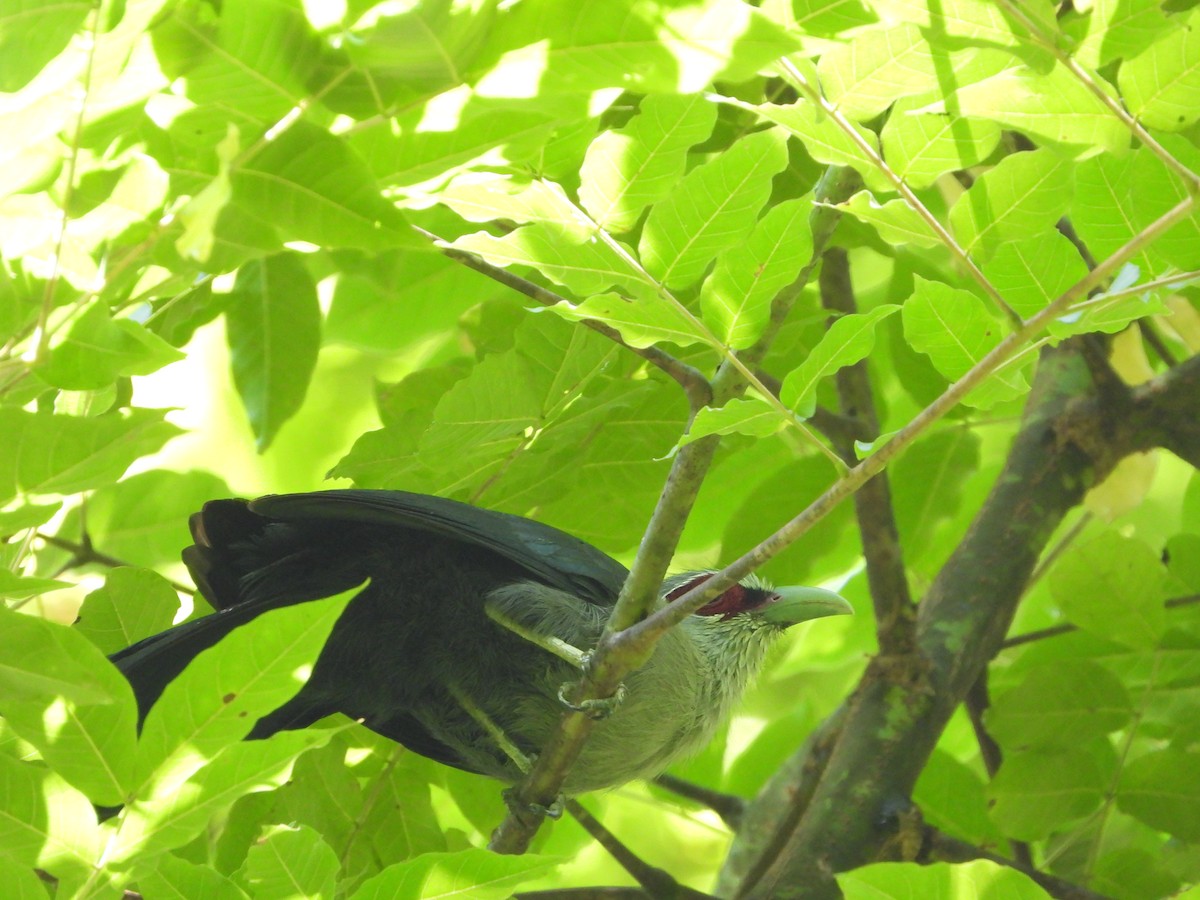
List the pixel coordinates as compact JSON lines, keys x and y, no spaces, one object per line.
{"x":44,"y":821}
{"x":1109,"y":316}
{"x":412,"y":150}
{"x":44,"y":453}
{"x":675,"y":48}
{"x":29,"y":515}
{"x":267,"y":79}
{"x":955,"y":330}
{"x":952,"y":797}
{"x":753,"y":416}
{"x":641,"y":323}
{"x":863,"y":77}
{"x":382,"y":459}
{"x":1060,"y":705}
{"x":1053,"y":107}
{"x":170,"y":877}
{"x":712,"y":208}
{"x":1024,"y":194}
{"x":821,"y":136}
{"x":63,"y":697}
{"x":896,"y":221}
{"x":17,"y":587}
{"x":486,"y":196}
{"x":1162,"y":789}
{"x":1160,"y":85}
{"x":426,"y":46}
{"x":929,"y":483}
{"x":972,"y":20}
{"x":627,"y":169}
{"x":274,"y":332}
{"x":392,"y":301}
{"x":133,"y":604}
{"x":920,"y":148}
{"x":1036,"y":793}
{"x":477,"y":873}
{"x":736,"y":299}
{"x":291,"y":860}
{"x":1102,"y":208}
{"x":174,"y":817}
{"x":820,"y":17}
{"x":1113,"y":587}
{"x":940,"y":881}
{"x":1120,"y":29}
{"x":99,"y":349}
{"x":21,"y":881}
{"x":1032,"y":272}
{"x":847,"y":341}
{"x":1154,"y":190}
{"x":311,"y":186}
{"x":588,"y":268}
{"x":32,"y":34}
{"x":223,"y":691}
{"x":492,"y":415}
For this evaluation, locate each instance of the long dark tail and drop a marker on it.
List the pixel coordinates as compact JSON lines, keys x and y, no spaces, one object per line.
{"x":151,"y":664}
{"x":244,"y":565}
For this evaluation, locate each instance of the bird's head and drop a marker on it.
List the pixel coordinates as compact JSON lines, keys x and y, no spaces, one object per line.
{"x":731,"y":633}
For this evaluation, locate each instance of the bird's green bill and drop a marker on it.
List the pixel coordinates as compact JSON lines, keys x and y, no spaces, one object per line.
{"x":794,"y":604}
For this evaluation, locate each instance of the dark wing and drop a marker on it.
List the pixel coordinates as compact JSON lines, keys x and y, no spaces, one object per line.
{"x":550,"y":556}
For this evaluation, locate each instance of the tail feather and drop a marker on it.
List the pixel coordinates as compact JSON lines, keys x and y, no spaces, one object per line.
{"x":151,"y":664}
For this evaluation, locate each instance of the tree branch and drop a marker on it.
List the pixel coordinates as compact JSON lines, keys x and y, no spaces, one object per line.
{"x":895,"y":614}
{"x":940,"y":847}
{"x":656,"y":882}
{"x":729,"y":807}
{"x":694,"y":384}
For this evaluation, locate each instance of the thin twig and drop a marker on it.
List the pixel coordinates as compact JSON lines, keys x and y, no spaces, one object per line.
{"x":1042,"y":634}
{"x":1112,"y":104}
{"x":977,"y":702}
{"x":814,"y":95}
{"x":940,"y":847}
{"x":84,"y":553}
{"x":656,"y":882}
{"x":729,"y":807}
{"x":694,"y":384}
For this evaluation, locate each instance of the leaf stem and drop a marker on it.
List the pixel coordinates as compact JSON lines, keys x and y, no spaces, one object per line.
{"x":813,"y":93}
{"x":1111,"y":103}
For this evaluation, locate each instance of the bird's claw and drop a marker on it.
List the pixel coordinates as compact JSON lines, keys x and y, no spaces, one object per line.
{"x":521,"y":809}
{"x":598,"y":708}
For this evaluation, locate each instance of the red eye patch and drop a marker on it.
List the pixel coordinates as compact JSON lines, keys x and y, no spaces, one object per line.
{"x":730,"y":603}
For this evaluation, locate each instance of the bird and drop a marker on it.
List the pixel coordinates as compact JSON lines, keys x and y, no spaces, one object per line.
{"x":471,"y":623}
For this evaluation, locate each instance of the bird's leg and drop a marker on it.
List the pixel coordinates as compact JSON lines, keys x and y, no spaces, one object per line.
{"x":549,"y":643}
{"x":520,"y":760}
{"x":600,"y":708}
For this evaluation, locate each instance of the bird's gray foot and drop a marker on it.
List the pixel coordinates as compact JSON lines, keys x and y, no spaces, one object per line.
{"x":521,"y":809}
{"x":598,"y":708}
